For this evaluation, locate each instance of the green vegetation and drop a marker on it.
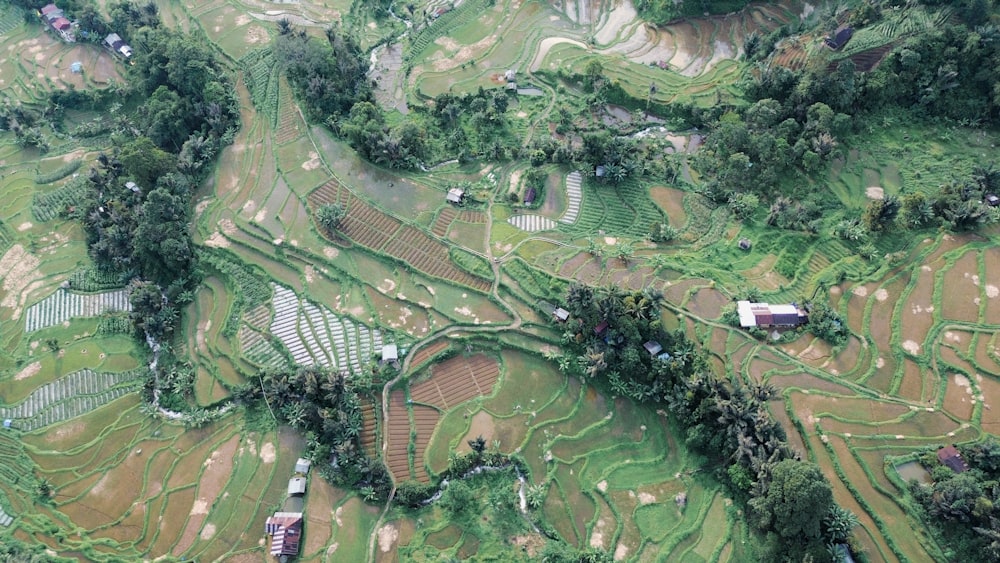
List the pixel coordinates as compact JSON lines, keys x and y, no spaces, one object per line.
{"x":264,"y":197}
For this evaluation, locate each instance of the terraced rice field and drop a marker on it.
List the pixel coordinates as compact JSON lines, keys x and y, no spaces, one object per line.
{"x":456,"y":381}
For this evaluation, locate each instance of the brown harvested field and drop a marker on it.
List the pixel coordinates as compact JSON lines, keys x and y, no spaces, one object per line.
{"x":857,"y":299}
{"x":218,"y":468}
{"x":425,"y":419}
{"x":398,"y":438}
{"x":676,"y":293}
{"x":472,"y":216}
{"x":369,"y":435}
{"x":991,"y":258}
{"x":853,"y":357}
{"x":951,"y":358}
{"x":812,"y":406}
{"x":989,"y":388}
{"x":671,"y":201}
{"x":962,"y":295}
{"x":922,"y":424}
{"x":868,"y":534}
{"x":290,"y":125}
{"x":570,"y":267}
{"x":319,"y":513}
{"x":917,"y":383}
{"x":807,"y":382}
{"x":763,"y":275}
{"x":777,"y":408}
{"x":174,"y":517}
{"x":916,"y":315}
{"x":427,"y":352}
{"x":890,"y":512}
{"x":883,"y":301}
{"x":457,"y":380}
{"x":443,"y":221}
{"x":986,"y":353}
{"x":759,"y":366}
{"x":958,"y":397}
{"x":708,"y":303}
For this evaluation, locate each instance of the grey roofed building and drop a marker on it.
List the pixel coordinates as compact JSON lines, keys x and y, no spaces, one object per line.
{"x":653,"y":347}
{"x":390,"y":353}
{"x":561,"y":315}
{"x":302,"y":465}
{"x":455,"y":195}
{"x":297,"y":486}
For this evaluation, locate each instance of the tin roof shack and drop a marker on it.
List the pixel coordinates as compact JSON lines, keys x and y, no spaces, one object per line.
{"x":302,"y":465}
{"x":839,"y":39}
{"x":455,"y":196}
{"x":653,"y":347}
{"x":285,"y":529}
{"x":952,"y":458}
{"x":297,"y":486}
{"x":561,"y":315}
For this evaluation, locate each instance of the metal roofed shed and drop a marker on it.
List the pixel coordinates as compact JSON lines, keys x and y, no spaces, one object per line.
{"x":561,"y":315}
{"x":745,"y":312}
{"x":302,"y":465}
{"x":297,"y":486}
{"x":653,"y":347}
{"x":390,"y":353}
{"x":455,"y":195}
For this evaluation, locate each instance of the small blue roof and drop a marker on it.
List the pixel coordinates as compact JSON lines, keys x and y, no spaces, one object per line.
{"x":7,"y":422}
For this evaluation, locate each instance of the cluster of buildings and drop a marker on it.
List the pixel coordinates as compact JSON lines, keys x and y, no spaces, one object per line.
{"x":285,"y":527}
{"x":114,"y":42}
{"x":765,"y":315}
{"x":53,"y":17}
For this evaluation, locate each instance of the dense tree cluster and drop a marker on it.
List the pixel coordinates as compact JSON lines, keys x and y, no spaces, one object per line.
{"x":964,"y":508}
{"x":328,"y":76}
{"x":323,"y":404}
{"x":790,"y":501}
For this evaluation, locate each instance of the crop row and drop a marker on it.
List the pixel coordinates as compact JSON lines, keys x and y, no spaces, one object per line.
{"x":457,"y":380}
{"x":76,"y":394}
{"x":314,"y":335}
{"x":62,"y":306}
{"x":60,"y":173}
{"x":261,"y":76}
{"x":289,"y":123}
{"x":92,"y":279}
{"x":443,"y":221}
{"x":48,"y":206}
{"x":10,"y":17}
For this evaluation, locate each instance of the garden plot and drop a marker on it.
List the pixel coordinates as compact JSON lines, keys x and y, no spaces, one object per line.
{"x":314,"y":335}
{"x":532,"y":223}
{"x":457,"y":380}
{"x":574,"y":194}
{"x":64,"y":305}
{"x":74,"y":395}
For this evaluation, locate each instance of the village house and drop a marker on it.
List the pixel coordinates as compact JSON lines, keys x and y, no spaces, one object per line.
{"x":950,"y":457}
{"x":285,"y":529}
{"x":561,"y":315}
{"x":114,"y":42}
{"x":54,"y":18}
{"x":765,"y":315}
{"x":297,"y":486}
{"x":840,"y":38}
{"x":455,"y":196}
{"x":302,"y":465}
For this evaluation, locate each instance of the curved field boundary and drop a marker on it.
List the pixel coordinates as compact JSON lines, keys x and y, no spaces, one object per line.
{"x":314,"y":335}
{"x":369,"y":432}
{"x":76,"y":394}
{"x":427,"y":352}
{"x":371,"y":227}
{"x":63,"y":305}
{"x":443,"y":221}
{"x":457,"y":380}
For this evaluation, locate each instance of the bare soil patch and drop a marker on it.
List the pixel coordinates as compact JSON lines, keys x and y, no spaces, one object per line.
{"x":671,"y":201}
{"x":28,"y":371}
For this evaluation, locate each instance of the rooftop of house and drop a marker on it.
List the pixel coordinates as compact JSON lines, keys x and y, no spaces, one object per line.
{"x":561,"y":314}
{"x":653,"y":347}
{"x":390,"y":353}
{"x":952,"y":458}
